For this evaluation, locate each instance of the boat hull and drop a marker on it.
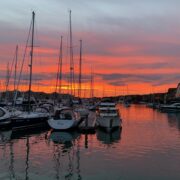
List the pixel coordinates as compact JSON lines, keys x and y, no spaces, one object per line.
{"x":62,"y":124}
{"x":109,"y":123}
{"x":5,"y":124}
{"x":170,"y":109}
{"x":25,"y":121}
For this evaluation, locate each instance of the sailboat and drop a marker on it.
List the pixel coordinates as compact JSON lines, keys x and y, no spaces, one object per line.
{"x":30,"y":118}
{"x":66,"y":118}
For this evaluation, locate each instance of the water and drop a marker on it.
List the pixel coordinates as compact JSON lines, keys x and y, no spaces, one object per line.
{"x":147,"y":148}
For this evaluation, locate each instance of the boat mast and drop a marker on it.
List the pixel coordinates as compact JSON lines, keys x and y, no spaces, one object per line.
{"x":57,"y":79}
{"x":71,"y":58}
{"x":7,"y":83}
{"x":15,"y":67}
{"x":80,"y":70}
{"x":92,"y":84}
{"x":60,"y":71}
{"x":31,"y":61}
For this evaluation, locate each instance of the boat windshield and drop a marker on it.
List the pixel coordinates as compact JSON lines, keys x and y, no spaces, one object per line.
{"x":64,"y":115}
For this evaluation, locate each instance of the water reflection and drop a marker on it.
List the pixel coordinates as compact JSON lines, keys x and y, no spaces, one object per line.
{"x":24,"y":133}
{"x":9,"y":140}
{"x":148,"y":138}
{"x":5,"y":136}
{"x":64,"y":148}
{"x":62,"y":137}
{"x":174,"y":120}
{"x":109,"y":138}
{"x":11,"y":166}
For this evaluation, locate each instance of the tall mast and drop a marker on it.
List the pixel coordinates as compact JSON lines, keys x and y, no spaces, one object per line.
{"x":60,"y":64}
{"x":80,"y":69}
{"x":59,"y":72}
{"x":7,"y":77}
{"x":7,"y":82}
{"x":15,"y":67}
{"x":92,"y":84}
{"x":31,"y":61}
{"x":71,"y":58}
{"x":57,"y":78}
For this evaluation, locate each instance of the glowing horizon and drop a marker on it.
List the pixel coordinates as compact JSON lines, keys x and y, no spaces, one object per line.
{"x":132,"y":50}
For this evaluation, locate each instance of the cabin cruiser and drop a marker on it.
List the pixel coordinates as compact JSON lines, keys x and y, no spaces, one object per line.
{"x":108,"y":116}
{"x":5,"y":118}
{"x":175,"y":107}
{"x":64,"y":119}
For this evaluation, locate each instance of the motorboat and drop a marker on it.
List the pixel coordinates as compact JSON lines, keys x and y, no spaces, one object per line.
{"x":108,"y":116}
{"x":174,"y":107}
{"x":65,"y":118}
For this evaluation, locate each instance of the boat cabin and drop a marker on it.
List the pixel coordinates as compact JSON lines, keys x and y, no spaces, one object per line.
{"x":64,"y":114}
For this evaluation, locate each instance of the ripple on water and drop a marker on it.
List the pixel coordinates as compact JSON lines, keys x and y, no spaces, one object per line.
{"x":147,"y":147}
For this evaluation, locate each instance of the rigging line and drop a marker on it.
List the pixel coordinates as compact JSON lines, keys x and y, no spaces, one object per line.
{"x":38,"y":54}
{"x":57,"y":77}
{"x":7,"y":82}
{"x":9,"y":74}
{"x":60,"y":68}
{"x":66,"y":60}
{"x":68,"y":77}
{"x":71,"y":57}
{"x":24,"y":56}
{"x":12,"y":65}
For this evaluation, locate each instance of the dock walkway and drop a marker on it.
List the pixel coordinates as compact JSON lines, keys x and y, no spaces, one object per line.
{"x":88,"y":125}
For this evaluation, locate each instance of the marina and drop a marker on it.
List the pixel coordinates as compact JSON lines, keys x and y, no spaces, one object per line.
{"x":89,"y":90}
{"x":46,"y":154}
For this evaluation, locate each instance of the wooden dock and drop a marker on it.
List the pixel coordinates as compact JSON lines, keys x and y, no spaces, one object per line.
{"x":88,"y":124}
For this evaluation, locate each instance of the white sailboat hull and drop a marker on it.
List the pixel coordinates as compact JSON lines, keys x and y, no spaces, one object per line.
{"x":62,"y":124}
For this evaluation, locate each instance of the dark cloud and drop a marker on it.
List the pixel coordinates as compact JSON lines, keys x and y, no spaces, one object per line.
{"x":125,"y":79}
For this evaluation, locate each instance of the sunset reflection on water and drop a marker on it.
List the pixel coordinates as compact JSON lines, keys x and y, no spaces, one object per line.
{"x":147,"y":147}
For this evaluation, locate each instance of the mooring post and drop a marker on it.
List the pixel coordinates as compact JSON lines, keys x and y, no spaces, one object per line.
{"x":86,"y":121}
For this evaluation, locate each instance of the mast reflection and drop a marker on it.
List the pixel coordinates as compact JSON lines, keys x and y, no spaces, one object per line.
{"x":65,"y":144}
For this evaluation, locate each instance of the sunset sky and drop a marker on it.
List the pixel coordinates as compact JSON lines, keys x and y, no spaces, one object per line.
{"x":133,"y":46}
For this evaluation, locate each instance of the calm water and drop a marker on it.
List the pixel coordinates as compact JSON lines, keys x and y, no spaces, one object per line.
{"x":148,"y":148}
